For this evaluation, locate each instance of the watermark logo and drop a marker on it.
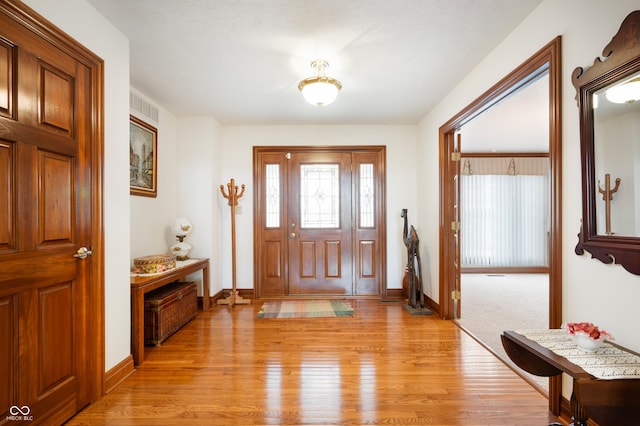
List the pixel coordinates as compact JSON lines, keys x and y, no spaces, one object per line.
{"x":20,"y":414}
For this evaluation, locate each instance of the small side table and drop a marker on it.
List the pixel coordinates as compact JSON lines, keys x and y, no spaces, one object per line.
{"x":142,"y":284}
{"x":607,"y":401}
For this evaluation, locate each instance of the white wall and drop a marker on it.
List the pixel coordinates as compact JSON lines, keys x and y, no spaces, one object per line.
{"x":237,"y":143}
{"x":592,"y":291}
{"x":198,"y":178}
{"x":84,"y":24}
{"x":152,"y":217}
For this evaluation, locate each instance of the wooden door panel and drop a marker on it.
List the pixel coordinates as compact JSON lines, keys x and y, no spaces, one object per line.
{"x":271,"y":269}
{"x":37,"y":389}
{"x":47,"y":88}
{"x":55,"y":199}
{"x":7,"y":199}
{"x":7,"y":352}
{"x":7,"y":53}
{"x":366,"y":259}
{"x":308,"y":260}
{"x":56,"y":99}
{"x":273,"y":264}
{"x":55,"y":335}
{"x":332,"y":259}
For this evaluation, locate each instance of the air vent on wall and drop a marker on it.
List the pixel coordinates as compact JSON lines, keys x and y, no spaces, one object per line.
{"x":141,"y":106}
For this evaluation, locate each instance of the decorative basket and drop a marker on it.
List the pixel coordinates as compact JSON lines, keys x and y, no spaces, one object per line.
{"x":167,"y":309}
{"x":154,"y":263}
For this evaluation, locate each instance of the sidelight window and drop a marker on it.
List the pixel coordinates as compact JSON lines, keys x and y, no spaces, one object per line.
{"x":272,"y":187}
{"x":367,"y":196}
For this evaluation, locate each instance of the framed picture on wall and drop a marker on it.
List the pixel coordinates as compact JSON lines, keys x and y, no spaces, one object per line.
{"x":143,"y":158}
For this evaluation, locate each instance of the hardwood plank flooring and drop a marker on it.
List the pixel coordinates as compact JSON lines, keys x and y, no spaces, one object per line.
{"x":382,"y":366}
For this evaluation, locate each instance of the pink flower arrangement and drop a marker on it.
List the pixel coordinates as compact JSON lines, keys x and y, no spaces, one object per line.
{"x":587,"y":329}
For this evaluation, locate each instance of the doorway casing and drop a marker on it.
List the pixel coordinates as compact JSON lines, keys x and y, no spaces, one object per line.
{"x":550,"y":56}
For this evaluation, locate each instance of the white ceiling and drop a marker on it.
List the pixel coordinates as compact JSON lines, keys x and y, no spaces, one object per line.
{"x":240,"y":61}
{"x":519,"y":123}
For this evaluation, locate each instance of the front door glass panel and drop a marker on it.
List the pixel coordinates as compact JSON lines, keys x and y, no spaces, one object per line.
{"x":319,"y":196}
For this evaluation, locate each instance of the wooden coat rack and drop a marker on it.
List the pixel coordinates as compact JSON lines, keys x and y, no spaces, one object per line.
{"x":232,"y":195}
{"x":607,"y":195}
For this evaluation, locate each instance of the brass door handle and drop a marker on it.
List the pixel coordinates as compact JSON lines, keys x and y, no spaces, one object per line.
{"x":83,"y":253}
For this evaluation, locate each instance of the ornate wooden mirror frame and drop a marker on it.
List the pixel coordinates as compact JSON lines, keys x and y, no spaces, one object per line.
{"x":620,"y":63}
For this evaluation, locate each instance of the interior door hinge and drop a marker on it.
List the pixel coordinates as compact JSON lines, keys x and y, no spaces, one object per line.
{"x":455,"y":226}
{"x":455,"y":156}
{"x":455,"y":295}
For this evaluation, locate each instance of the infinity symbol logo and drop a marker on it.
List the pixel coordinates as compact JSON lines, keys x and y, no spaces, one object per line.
{"x":15,"y":410}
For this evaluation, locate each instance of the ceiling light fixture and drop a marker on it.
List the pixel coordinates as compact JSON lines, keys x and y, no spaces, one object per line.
{"x":319,"y":90}
{"x":625,"y":93}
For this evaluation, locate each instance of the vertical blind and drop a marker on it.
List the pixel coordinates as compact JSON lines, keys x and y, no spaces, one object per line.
{"x":504,"y":221}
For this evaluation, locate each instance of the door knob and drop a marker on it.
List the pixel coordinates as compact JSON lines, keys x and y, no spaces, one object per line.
{"x":83,"y":253}
{"x":292,"y":235}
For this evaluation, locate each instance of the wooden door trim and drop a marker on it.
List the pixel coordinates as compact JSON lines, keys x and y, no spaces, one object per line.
{"x":551,"y":54}
{"x":45,"y":30}
{"x":258,"y":151}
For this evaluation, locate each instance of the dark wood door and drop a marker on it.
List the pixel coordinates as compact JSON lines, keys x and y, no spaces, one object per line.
{"x":46,"y":216}
{"x":319,"y":221}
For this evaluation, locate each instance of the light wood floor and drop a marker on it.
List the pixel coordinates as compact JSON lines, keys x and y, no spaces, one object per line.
{"x":382,"y":366}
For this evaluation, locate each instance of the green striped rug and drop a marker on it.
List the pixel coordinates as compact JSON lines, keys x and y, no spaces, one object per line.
{"x":305,"y":309}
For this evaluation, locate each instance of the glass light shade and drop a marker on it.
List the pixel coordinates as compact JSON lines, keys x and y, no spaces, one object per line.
{"x":320,"y":91}
{"x":181,"y":250}
{"x":625,"y":93}
{"x":182,"y":227}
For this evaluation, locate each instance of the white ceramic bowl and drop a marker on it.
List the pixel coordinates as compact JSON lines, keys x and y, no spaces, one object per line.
{"x":586,"y":343}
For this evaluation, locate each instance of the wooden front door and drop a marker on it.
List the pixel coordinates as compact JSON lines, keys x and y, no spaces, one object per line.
{"x":47,"y":193}
{"x":319,"y":221}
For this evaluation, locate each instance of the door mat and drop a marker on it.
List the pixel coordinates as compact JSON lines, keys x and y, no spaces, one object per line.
{"x":306,"y":309}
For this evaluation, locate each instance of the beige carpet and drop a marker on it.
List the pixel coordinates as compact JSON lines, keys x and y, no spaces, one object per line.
{"x":491,"y":304}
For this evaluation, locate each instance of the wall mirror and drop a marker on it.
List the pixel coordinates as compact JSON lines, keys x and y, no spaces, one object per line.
{"x":608,"y":96}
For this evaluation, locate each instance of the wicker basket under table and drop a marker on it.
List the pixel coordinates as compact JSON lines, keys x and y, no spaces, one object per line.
{"x":167,"y":309}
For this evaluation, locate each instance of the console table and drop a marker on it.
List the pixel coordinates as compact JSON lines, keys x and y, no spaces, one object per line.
{"x":608,"y":401}
{"x":144,"y":283}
